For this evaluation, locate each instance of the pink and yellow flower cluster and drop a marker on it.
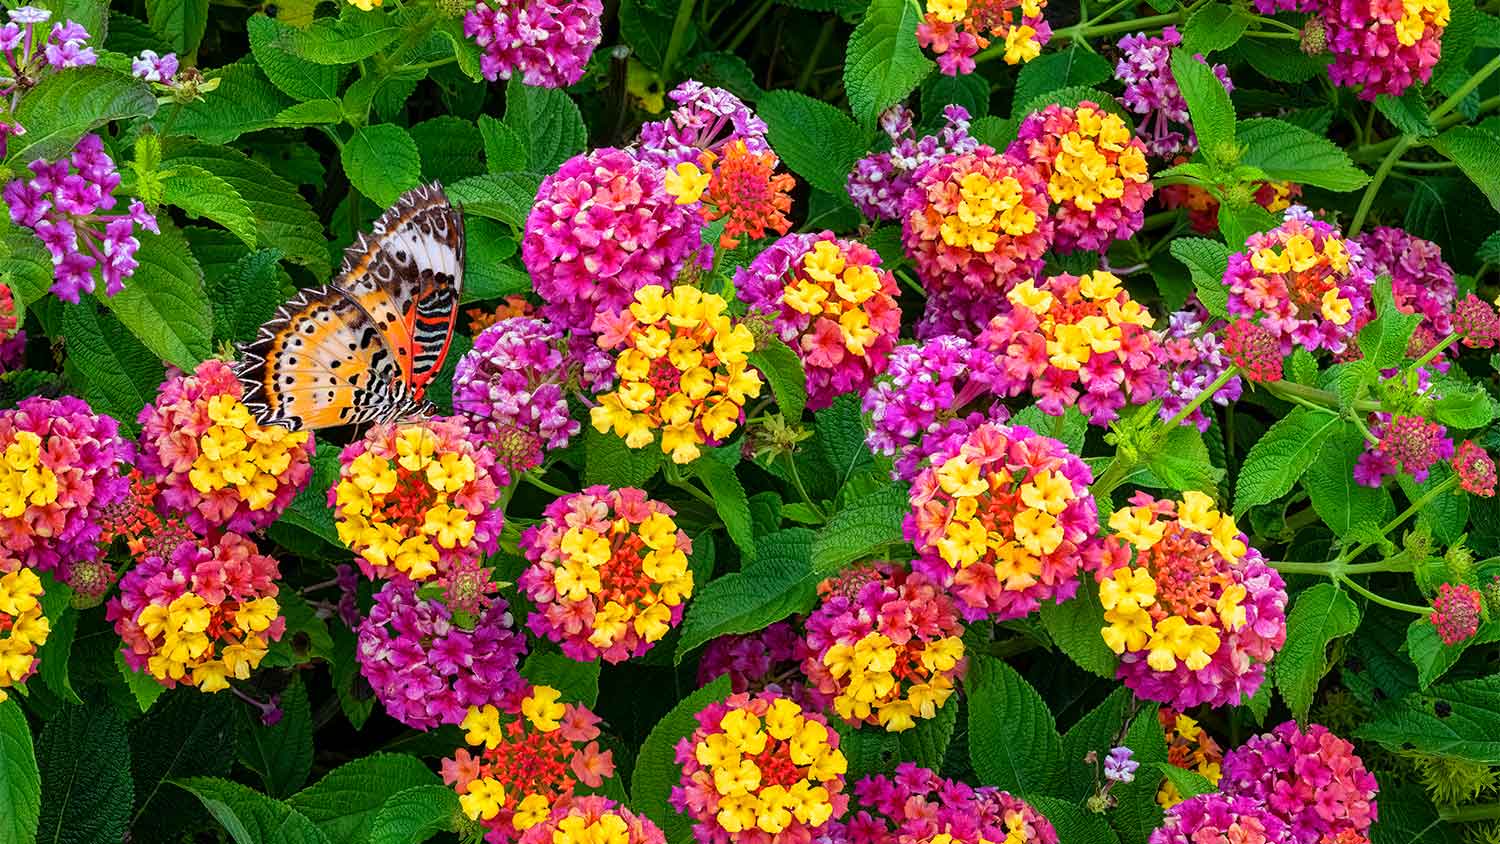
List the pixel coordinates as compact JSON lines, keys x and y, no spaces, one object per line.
{"x":1076,"y":340}
{"x":528,"y":766}
{"x":594,"y":820}
{"x":1095,"y":171}
{"x":203,"y":617}
{"x":1199,"y":613}
{"x":917,"y":805}
{"x":683,"y":371}
{"x":609,"y":573}
{"x":1003,"y":519}
{"x":216,"y":466}
{"x":885,"y":646}
{"x":23,"y":628}
{"x":760,"y":770}
{"x":417,"y":500}
{"x":956,"y":30}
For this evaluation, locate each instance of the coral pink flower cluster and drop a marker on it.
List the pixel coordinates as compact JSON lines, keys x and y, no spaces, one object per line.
{"x":956,"y":30}
{"x":1309,"y":779}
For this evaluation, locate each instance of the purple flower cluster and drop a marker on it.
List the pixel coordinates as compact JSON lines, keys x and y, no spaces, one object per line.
{"x":766,"y":660}
{"x":1408,"y":444}
{"x":517,"y":377}
{"x":927,"y":398}
{"x":706,"y":119}
{"x":1311,"y":780}
{"x":603,"y":227}
{"x":28,"y":57}
{"x":549,"y":41}
{"x":426,"y":669}
{"x":154,"y":68}
{"x":880,"y":181}
{"x":1145,"y":68}
{"x":1421,"y":281}
{"x":1119,"y":766}
{"x":62,"y":202}
{"x":915,"y":804}
{"x":1218,"y":818}
{"x":1194,"y":357}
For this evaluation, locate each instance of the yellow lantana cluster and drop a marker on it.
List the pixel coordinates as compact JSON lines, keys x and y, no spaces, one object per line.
{"x":1417,"y":16}
{"x":237,"y":453}
{"x":683,"y":370}
{"x":24,"y":481}
{"x":1095,"y":160}
{"x":22,"y":627}
{"x":187,"y":630}
{"x":1300,"y":255}
{"x":1082,"y":320}
{"x":869,"y":667}
{"x":985,"y":209}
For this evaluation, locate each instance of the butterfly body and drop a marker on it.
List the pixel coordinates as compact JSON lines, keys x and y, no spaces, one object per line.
{"x":364,"y":348}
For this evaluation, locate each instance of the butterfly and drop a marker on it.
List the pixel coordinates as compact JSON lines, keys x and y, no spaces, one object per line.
{"x":364,"y":348}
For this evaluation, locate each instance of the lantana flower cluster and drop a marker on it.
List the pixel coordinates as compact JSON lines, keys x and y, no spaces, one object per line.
{"x":427,"y":666}
{"x":1302,"y":281}
{"x":64,"y":204}
{"x":767,"y":659}
{"x":526,"y":767}
{"x":1421,"y":281}
{"x":760,"y":770}
{"x":1310,"y":779}
{"x":415,"y":500}
{"x":60,"y":471}
{"x":1076,"y":340}
{"x":1218,"y":818}
{"x":955,"y":30}
{"x":1383,"y":47}
{"x":881,"y":181}
{"x":885,"y":646}
{"x":1145,"y":68}
{"x":1190,"y":748}
{"x":29,"y":56}
{"x":204,"y":616}
{"x":548,"y":41}
{"x":1194,"y":357}
{"x":215,"y":465}
{"x":1475,"y":469}
{"x":1457,"y":611}
{"x":1409,"y":445}
{"x":705,"y":119}
{"x":603,"y":226}
{"x":593,"y":820}
{"x":1003,"y":519}
{"x":1095,"y":171}
{"x":683,"y":370}
{"x":609,"y":573}
{"x":830,"y":301}
{"x":23,"y":628}
{"x":915,"y":804}
{"x":1199,"y":613}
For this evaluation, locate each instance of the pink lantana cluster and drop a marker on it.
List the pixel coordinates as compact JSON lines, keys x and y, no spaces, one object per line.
{"x":1311,"y":780}
{"x":1421,"y":281}
{"x":1383,"y":47}
{"x":1409,"y":445}
{"x":1145,"y":68}
{"x":61,"y":469}
{"x":1475,"y":469}
{"x":64,"y":204}
{"x":548,"y":41}
{"x":1004,"y":520}
{"x":215,"y":465}
{"x":203,"y":617}
{"x":829,"y":300}
{"x":609,"y":573}
{"x":428,"y":666}
{"x":1095,"y":171}
{"x":1198,"y":613}
{"x":603,"y":227}
{"x":1076,"y":340}
{"x":880,"y":181}
{"x":956,"y":30}
{"x":885,"y":646}
{"x":1456,"y":612}
{"x":1303,"y":281}
{"x":915,"y":804}
{"x":1218,"y":818}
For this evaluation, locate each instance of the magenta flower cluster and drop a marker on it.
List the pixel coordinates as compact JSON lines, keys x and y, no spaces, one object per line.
{"x":1194,"y":357}
{"x":915,"y":804}
{"x":63,"y":203}
{"x":1421,"y":281}
{"x":706,"y":119}
{"x":548,"y":41}
{"x":1408,"y":444}
{"x":1311,"y":780}
{"x":427,"y":669}
{"x":28,"y":56}
{"x":1218,"y":818}
{"x":880,"y":181}
{"x":769,"y":659}
{"x":603,"y":227}
{"x":1383,"y":47}
{"x":1145,"y":68}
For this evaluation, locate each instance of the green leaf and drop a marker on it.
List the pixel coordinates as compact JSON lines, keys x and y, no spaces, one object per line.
{"x":927,"y":743}
{"x":1071,"y":68}
{"x":24,"y":264}
{"x":1384,"y":340}
{"x":1207,"y":260}
{"x":1072,"y":824}
{"x":656,"y":769}
{"x":840,"y":430}
{"x":465,"y":49}
{"x":1137,"y":814}
{"x":251,"y":817}
{"x":119,"y":374}
{"x":817,"y":141}
{"x":416,"y":814}
{"x":181,"y":23}
{"x":1013,"y":741}
{"x":64,"y":107}
{"x":646,"y":30}
{"x":1070,"y":428}
{"x":503,"y":149}
{"x":491,"y":270}
{"x":1095,"y":732}
{"x":344,"y":803}
{"x":783,"y":369}
{"x":868,"y":750}
{"x":1188,"y":783}
{"x":1408,"y":113}
{"x":1214,"y":27}
{"x":1208,"y":105}
{"x":244,"y":102}
{"x":1477,"y":153}
{"x":1445,"y":515}
{"x":1182,"y":462}
{"x":56,"y":654}
{"x":309,"y":510}
{"x":860,"y":530}
{"x":143,"y":687}
{"x":1282,"y":61}
{"x":297,"y":78}
{"x":186,"y":734}
{"x":609,"y":461}
{"x":86,"y":788}
{"x":779,"y":582}
{"x":1463,"y":406}
{"x":1450,"y":719}
{"x":382,"y":162}
{"x":1319,"y":615}
{"x":20,"y":780}
{"x":200,"y":193}
{"x":451,"y":149}
{"x":245,"y":295}
{"x":1291,"y":153}
{"x":971,"y":91}
{"x":730,"y":501}
{"x":1433,"y":657}
{"x":1348,"y":508}
{"x":1074,"y":626}
{"x":1238,"y":222}
{"x":164,"y":303}
{"x":306,"y":637}
{"x":578,"y":681}
{"x":281,"y":754}
{"x":349,"y":38}
{"x":884,"y":63}
{"x":1281,"y":455}
{"x":506,"y":197}
{"x":547,"y":122}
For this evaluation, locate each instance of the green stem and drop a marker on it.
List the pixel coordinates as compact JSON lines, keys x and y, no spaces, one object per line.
{"x":1332,"y":568}
{"x":679,"y":35}
{"x":1463,"y":814}
{"x":1465,"y":89}
{"x":1376,"y":181}
{"x":1426,"y":165}
{"x":825,"y":35}
{"x":1275,"y":36}
{"x":802,"y":490}
{"x":1286,"y":27}
{"x":1364,"y":430}
{"x":1381,"y":599}
{"x":1416,"y":507}
{"x":1286,"y":389}
{"x":749,"y":26}
{"x":1435,"y":351}
{"x":542,"y":485}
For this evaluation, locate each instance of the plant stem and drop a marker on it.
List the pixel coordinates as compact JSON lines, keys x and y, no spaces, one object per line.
{"x":802,"y":490}
{"x":1381,"y":599}
{"x":825,"y":35}
{"x":1275,"y":36}
{"x":1416,"y":507}
{"x":1286,"y":389}
{"x":749,"y":26}
{"x":542,"y":485}
{"x":1435,"y":351}
{"x":689,"y":488}
{"x":1460,"y":814}
{"x":1332,"y":567}
{"x":1426,"y":165}
{"x":1375,"y":182}
{"x":679,"y":34}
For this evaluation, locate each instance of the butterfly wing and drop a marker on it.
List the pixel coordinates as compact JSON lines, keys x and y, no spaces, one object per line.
{"x":322,"y":362}
{"x":407,"y":274}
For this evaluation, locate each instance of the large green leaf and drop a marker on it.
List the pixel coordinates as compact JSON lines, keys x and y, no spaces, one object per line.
{"x":1073,"y":824}
{"x":1449,"y":719}
{"x":1320,"y":615}
{"x":65,"y":106}
{"x":817,"y":141}
{"x":1291,"y":153}
{"x":506,"y":197}
{"x":1207,"y":260}
{"x":1383,"y":341}
{"x":656,"y":769}
{"x":382,"y":162}
{"x":1013,"y":741}
{"x":200,"y":193}
{"x":1281,"y":455}
{"x":577,"y":681}
{"x":20,"y":780}
{"x":1208,"y":104}
{"x":861,"y":529}
{"x":1214,"y":27}
{"x":251,"y":817}
{"x":186,"y":734}
{"x":730,"y":501}
{"x":416,"y":814}
{"x":352,"y":36}
{"x":119,"y":374}
{"x":281,"y":753}
{"x":547,"y":122}
{"x":884,"y":63}
{"x":244,"y":101}
{"x":1075,"y":626}
{"x":779,"y":583}
{"x":1350,"y":509}
{"x":164,"y":304}
{"x":344,"y":803}
{"x":1476,"y":152}
{"x":1071,"y":68}
{"x":296,"y":77}
{"x":608,"y":460}
{"x":181,"y":23}
{"x":86,"y":787}
{"x":783,"y":370}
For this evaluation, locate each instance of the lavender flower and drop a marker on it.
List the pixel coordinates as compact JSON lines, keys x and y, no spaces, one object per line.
{"x":29,"y":58}
{"x":706,"y":119}
{"x":154,"y":68}
{"x":1119,"y":767}
{"x":880,"y":181}
{"x":1194,"y":357}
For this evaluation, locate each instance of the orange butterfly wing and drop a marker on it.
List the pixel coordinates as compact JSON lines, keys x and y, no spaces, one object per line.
{"x":407,"y":274}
